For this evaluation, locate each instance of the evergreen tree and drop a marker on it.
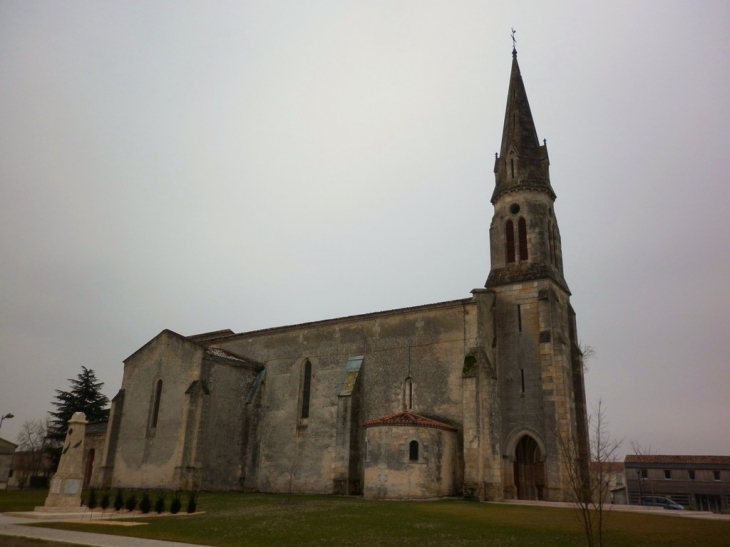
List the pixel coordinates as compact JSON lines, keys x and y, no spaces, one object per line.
{"x":84,"y":396}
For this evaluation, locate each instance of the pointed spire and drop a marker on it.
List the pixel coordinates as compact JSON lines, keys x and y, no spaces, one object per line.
{"x":519,"y":128}
{"x":522,"y":162}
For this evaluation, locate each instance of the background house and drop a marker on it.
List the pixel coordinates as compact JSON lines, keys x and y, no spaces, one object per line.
{"x":6,"y":457}
{"x":699,"y":482}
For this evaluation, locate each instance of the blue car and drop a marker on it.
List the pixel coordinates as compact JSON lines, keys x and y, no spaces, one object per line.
{"x":661,"y":501}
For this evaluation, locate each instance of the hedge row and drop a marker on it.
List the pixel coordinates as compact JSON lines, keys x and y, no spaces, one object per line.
{"x":128,"y":501}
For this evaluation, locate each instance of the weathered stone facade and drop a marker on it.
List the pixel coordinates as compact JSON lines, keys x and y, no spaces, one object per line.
{"x":296,"y":408}
{"x":409,"y":456}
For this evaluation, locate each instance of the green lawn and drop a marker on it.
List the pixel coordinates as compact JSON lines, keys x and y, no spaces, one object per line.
{"x":22,"y":500}
{"x":260,"y":519}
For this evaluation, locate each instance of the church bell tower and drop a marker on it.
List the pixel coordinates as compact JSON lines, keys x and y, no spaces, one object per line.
{"x":538,"y":359}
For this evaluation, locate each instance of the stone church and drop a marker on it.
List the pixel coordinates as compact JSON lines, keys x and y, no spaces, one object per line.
{"x":466,"y":397}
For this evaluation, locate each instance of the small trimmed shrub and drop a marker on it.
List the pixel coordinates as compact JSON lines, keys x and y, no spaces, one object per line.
{"x":131,"y":503}
{"x":105,"y":501}
{"x":160,"y":503}
{"x":176,"y":504}
{"x":119,"y":500}
{"x":192,"y":502}
{"x":146,"y":504}
{"x":91,"y":502}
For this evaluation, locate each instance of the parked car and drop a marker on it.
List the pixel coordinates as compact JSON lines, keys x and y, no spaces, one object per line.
{"x":661,"y":501}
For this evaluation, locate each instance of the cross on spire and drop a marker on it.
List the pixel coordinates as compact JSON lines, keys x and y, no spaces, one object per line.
{"x":514,"y":42}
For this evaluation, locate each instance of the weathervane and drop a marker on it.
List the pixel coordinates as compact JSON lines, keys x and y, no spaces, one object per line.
{"x":514,"y":41}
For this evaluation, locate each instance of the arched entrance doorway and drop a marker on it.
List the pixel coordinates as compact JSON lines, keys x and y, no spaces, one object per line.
{"x":529,"y":470}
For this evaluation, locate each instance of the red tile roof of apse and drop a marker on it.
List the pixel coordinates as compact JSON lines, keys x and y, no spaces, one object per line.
{"x":407,"y":419}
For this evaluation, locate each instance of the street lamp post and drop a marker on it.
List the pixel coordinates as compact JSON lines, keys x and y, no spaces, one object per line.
{"x":8,"y":416}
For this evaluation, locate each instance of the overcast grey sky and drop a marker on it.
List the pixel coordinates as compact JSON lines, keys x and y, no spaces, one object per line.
{"x":199,"y":166}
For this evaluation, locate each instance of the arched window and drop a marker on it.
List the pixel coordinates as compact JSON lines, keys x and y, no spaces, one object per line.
{"x":413,"y":451}
{"x":89,"y":468}
{"x":408,"y":394}
{"x":522,"y":227}
{"x":550,"y":242}
{"x":306,"y":387}
{"x":510,"y":241}
{"x":156,"y":405}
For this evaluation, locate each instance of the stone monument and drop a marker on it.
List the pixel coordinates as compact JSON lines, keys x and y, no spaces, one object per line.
{"x":65,"y":491}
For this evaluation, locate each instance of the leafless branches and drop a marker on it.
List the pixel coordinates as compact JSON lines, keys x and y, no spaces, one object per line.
{"x":590,"y":485}
{"x":588,"y":353}
{"x":30,"y":459}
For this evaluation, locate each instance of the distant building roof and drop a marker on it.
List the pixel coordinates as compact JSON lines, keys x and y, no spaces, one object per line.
{"x":6,"y":447}
{"x":683,"y":460}
{"x":96,"y":428}
{"x":407,"y":419}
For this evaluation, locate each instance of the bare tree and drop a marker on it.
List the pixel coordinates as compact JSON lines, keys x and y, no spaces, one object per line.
{"x":30,"y":458}
{"x":641,"y":450}
{"x":590,"y":489}
{"x":588,"y":353}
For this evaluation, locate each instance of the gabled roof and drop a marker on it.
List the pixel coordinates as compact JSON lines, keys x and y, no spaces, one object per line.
{"x":353,"y":318}
{"x":6,"y":443}
{"x":215,"y":353}
{"x":407,"y":419}
{"x":164,"y":332}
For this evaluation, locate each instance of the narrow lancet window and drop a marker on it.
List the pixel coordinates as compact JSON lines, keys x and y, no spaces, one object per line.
{"x":408,"y":394}
{"x":510,"y":241}
{"x":522,"y":375}
{"x":413,"y":451}
{"x":519,"y":318}
{"x":522,"y":227}
{"x":306,"y":387}
{"x":551,"y":243}
{"x":156,"y":405}
{"x":512,"y":166}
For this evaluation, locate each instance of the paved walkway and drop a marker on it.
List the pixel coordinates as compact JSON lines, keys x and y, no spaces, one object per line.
{"x":628,"y":509}
{"x":12,"y":526}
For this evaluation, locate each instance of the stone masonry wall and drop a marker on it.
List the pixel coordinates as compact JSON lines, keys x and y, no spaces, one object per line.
{"x":147,"y":457}
{"x":390,"y":474}
{"x":427,"y":344}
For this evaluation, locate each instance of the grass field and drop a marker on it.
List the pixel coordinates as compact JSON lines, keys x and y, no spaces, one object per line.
{"x":264,"y":520}
{"x":21,"y":500}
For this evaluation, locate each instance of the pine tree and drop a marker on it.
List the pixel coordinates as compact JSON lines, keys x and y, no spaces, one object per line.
{"x":84,"y":396}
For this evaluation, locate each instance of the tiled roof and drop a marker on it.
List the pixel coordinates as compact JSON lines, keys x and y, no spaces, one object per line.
{"x":218,"y":352}
{"x":695,"y":460}
{"x":407,"y":419}
{"x":324,"y":322}
{"x":210,"y":335}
